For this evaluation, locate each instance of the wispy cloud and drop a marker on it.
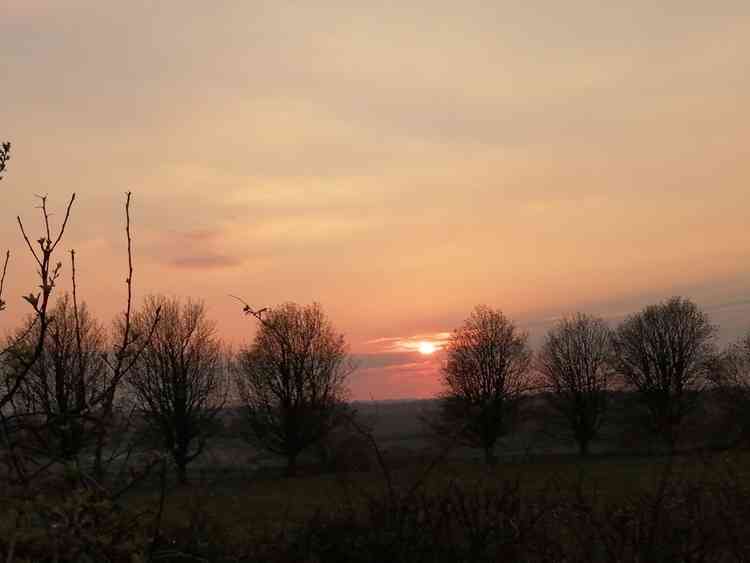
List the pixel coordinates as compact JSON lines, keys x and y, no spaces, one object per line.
{"x":411,"y":343}
{"x":206,"y":261}
{"x":396,"y":376}
{"x":400,"y":162}
{"x":197,"y":249}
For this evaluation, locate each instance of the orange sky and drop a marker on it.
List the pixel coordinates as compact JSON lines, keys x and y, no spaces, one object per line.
{"x":400,"y":163}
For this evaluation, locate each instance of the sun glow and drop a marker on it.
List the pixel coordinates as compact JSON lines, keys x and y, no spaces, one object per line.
{"x":426,"y":348}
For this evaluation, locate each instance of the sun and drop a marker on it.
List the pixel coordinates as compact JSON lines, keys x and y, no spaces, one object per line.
{"x":426,"y":348}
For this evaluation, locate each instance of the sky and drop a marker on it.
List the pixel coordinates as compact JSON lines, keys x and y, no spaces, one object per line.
{"x":398,"y":162}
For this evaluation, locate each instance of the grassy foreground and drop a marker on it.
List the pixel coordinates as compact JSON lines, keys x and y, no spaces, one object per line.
{"x":687,"y":508}
{"x":236,"y":511}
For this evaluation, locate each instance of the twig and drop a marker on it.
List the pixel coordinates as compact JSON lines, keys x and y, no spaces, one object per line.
{"x":47,"y":276}
{"x":160,"y":513}
{"x":76,"y":319}
{"x":65,"y":221}
{"x":2,"y":279}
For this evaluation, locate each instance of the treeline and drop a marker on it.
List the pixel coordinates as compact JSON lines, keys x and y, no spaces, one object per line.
{"x":69,"y":386}
{"x":88,"y":413}
{"x":70,"y":408}
{"x":666,"y":356}
{"x":289,"y":383}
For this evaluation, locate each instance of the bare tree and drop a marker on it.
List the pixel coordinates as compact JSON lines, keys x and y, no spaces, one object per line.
{"x":291,"y":380}
{"x":666,"y":354}
{"x":178,"y":380}
{"x":23,"y":479}
{"x":485,"y":375}
{"x":54,"y":401}
{"x":48,"y":273}
{"x":574,"y":362}
{"x":57,"y":391}
{"x":737,"y":364}
{"x":732,"y":380}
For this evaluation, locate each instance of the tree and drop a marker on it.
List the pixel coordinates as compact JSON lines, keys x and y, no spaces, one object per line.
{"x":25,"y":483}
{"x":485,"y":375}
{"x":54,"y":394}
{"x":736,"y":364}
{"x":178,"y":380}
{"x":732,"y":379}
{"x":292,"y":380}
{"x":574,"y":362}
{"x":666,"y":354}
{"x":48,"y":273}
{"x":57,"y":401}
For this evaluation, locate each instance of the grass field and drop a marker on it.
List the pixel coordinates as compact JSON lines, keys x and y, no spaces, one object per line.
{"x":539,"y":502}
{"x":540,"y":508}
{"x":243,"y":507}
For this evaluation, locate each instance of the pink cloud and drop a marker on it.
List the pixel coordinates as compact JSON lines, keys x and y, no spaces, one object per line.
{"x":395,"y":376}
{"x":411,"y":343}
{"x":197,"y":249}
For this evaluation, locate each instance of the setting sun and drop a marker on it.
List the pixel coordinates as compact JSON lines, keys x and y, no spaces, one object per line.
{"x":426,"y":348}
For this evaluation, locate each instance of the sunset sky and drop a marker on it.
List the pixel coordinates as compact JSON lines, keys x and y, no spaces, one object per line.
{"x":399,"y":162}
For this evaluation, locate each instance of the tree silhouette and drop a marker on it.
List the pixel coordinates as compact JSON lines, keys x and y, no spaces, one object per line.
{"x":485,"y":375}
{"x":48,"y":272}
{"x":291,"y":380}
{"x":179,"y":379}
{"x":732,"y":378}
{"x":666,"y":353}
{"x":57,"y":402}
{"x":574,"y":362}
{"x":52,"y":367}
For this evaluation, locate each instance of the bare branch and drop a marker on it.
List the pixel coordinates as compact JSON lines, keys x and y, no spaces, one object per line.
{"x":258,"y":314}
{"x":129,"y":282}
{"x":65,"y":221}
{"x":48,"y":274}
{"x":28,"y":242}
{"x":76,"y":316}
{"x":4,"y":157}
{"x":2,"y":279}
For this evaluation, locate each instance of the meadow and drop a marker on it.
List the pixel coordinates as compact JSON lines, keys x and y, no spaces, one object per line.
{"x":545,"y":508}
